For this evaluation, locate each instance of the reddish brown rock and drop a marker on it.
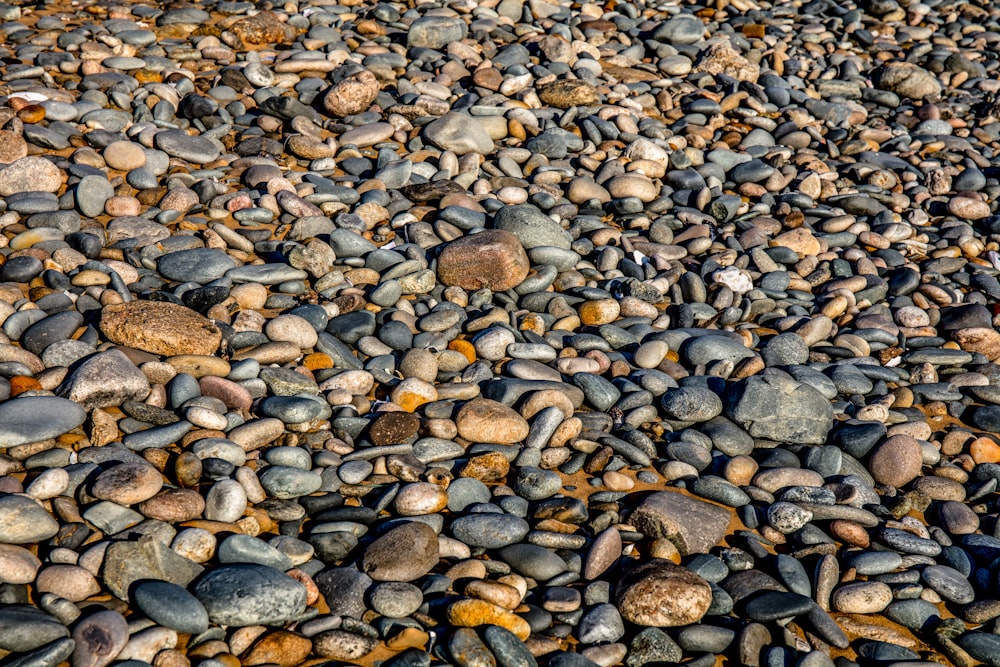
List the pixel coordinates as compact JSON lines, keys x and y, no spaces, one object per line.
{"x":493,"y":259}
{"x":661,"y":594}
{"x":351,"y":93}
{"x":159,"y":327}
{"x":896,"y":462}
{"x":280,"y":647}
{"x":174,"y":505}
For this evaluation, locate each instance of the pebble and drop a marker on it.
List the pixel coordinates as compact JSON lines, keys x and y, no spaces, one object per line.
{"x":384,"y":334}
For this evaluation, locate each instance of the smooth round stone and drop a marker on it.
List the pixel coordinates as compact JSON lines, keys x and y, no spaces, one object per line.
{"x":661,"y":594}
{"x":915,"y":614}
{"x":533,"y":561}
{"x":466,"y":491}
{"x":226,"y":501}
{"x":194,"y":149}
{"x":509,"y":649}
{"x":92,"y":193}
{"x":17,"y":565}
{"x":949,"y":583}
{"x":23,"y":520}
{"x":868,"y":597}
{"x":600,"y":624}
{"x":651,"y":354}
{"x":244,"y":594}
{"x":199,"y":265}
{"x":488,"y":530}
{"x":125,"y":155}
{"x":293,"y":329}
{"x":99,"y":635}
{"x":395,"y":599}
{"x":405,"y":553}
{"x":870,"y":563}
{"x":981,"y":646}
{"x":532,"y":227}
{"x":691,"y":404}
{"x":128,"y":483}
{"x":170,"y":606}
{"x":289,"y":482}
{"x":536,"y":484}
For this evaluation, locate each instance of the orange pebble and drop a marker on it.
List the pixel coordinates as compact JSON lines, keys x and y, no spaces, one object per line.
{"x":22,"y":383}
{"x":984,"y":450}
{"x":317,"y":360}
{"x":465,"y":347}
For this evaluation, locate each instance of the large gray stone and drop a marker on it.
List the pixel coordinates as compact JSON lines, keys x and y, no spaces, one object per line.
{"x":694,"y":526}
{"x":532,"y":227}
{"x":775,"y":406}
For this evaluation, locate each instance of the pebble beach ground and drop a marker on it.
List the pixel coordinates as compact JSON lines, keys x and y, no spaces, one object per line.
{"x":499,"y":334}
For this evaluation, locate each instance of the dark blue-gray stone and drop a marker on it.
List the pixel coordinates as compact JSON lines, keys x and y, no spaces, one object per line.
{"x":171,"y":606}
{"x":199,"y":265}
{"x":508,"y":649}
{"x":489,"y":530}
{"x":25,"y":628}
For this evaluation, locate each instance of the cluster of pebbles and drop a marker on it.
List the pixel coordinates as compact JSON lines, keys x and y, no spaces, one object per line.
{"x":499,"y":334}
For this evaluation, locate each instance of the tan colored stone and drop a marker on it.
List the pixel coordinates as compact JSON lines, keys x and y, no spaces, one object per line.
{"x":17,"y":565}
{"x":800,"y":240}
{"x":420,"y":498}
{"x":67,"y":581}
{"x":159,"y":327}
{"x":979,"y":339}
{"x":722,"y":58}
{"x":484,"y":420}
{"x":351,"y":94}
{"x":490,"y":467}
{"x":599,"y":311}
{"x":128,"y":483}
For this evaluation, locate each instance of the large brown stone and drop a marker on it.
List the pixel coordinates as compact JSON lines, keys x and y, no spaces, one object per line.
{"x":692,"y":525}
{"x":493,"y":259}
{"x":159,"y":327}
{"x":403,"y":554}
{"x":661,"y":594}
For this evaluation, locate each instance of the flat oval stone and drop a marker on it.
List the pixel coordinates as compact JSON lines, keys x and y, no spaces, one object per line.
{"x":19,"y":423}
{"x":247,"y":594}
{"x":490,"y":531}
{"x":199,"y":265}
{"x":25,"y":628}
{"x":23,"y":520}
{"x":171,"y":606}
{"x":177,"y":143}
